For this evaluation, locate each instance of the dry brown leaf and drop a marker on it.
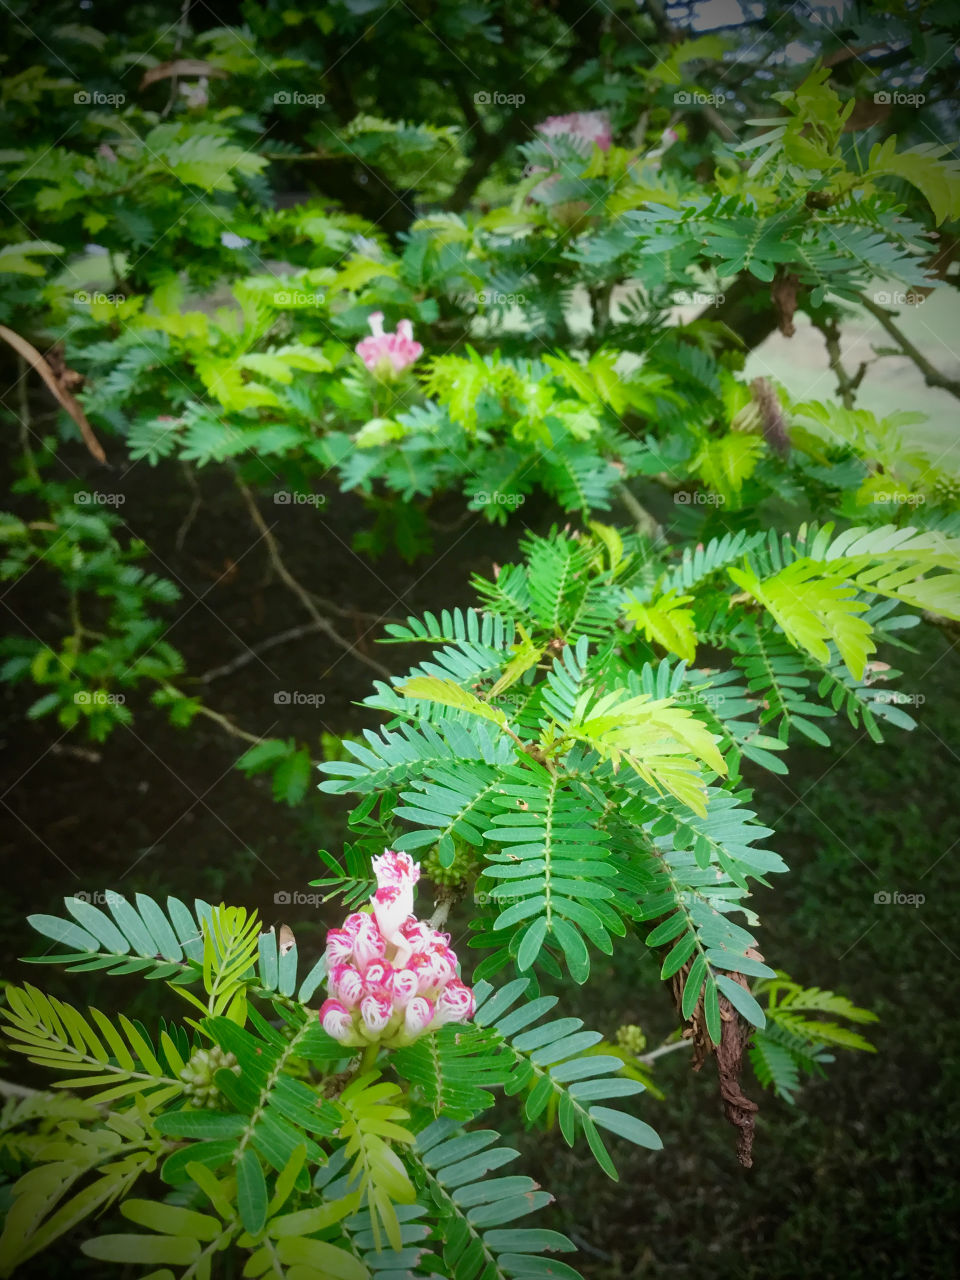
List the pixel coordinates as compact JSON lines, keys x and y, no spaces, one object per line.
{"x":180,"y":67}
{"x":66,"y":400}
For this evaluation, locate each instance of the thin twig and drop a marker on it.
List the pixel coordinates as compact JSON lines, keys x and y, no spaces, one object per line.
{"x":218,"y":718}
{"x":78,"y":753}
{"x":439,"y":916}
{"x":228,"y":726}
{"x":303,"y":595}
{"x":931,"y":375}
{"x":847,"y":386}
{"x":645,"y":522}
{"x":23,"y":408}
{"x":195,"y":505}
{"x":664,"y":1049}
{"x":228,"y":668}
{"x":10,"y":1090}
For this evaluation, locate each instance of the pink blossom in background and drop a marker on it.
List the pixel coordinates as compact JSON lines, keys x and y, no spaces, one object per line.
{"x":386,"y":355}
{"x":590,"y":126}
{"x":390,"y":976}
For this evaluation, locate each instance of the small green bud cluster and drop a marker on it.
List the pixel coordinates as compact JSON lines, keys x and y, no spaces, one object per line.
{"x":198,"y":1075}
{"x":632,"y":1039}
{"x":451,"y":876}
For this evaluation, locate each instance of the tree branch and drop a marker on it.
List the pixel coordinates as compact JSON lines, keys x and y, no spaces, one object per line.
{"x":303,"y":595}
{"x":931,"y":375}
{"x":847,"y":386}
{"x":228,"y":668}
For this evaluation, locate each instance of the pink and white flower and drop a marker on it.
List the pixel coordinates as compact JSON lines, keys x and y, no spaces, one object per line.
{"x":391,"y":977}
{"x":582,"y":126}
{"x":387,"y":354}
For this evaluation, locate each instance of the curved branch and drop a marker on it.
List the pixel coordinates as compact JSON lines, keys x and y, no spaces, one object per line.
{"x":303,"y":595}
{"x":931,"y":375}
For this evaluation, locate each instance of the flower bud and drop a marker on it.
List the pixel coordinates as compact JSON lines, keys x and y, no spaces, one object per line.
{"x":347,"y":985}
{"x":339,"y":946}
{"x":418,"y":1016}
{"x":417,"y":933}
{"x":368,"y":944}
{"x":378,"y":978}
{"x":432,"y":970}
{"x":391,"y":905}
{"x":375,"y":1013}
{"x":455,"y":1003}
{"x":336,"y":1021}
{"x":395,"y":869}
{"x":405,"y":986}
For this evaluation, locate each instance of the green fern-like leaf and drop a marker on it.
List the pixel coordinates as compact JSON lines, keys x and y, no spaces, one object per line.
{"x":475,"y":1214}
{"x":117,"y":1063}
{"x":369,"y":1117}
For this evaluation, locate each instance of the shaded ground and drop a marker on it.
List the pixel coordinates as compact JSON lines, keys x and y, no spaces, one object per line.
{"x":857,"y":1179}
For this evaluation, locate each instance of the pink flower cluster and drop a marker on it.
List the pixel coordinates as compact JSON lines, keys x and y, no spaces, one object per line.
{"x":390,"y":976}
{"x":590,"y":126}
{"x":388,"y":354}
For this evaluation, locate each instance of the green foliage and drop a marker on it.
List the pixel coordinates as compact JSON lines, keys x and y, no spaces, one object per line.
{"x":258,"y":1111}
{"x":561,"y":755}
{"x":600,"y":786}
{"x":795,"y":1042}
